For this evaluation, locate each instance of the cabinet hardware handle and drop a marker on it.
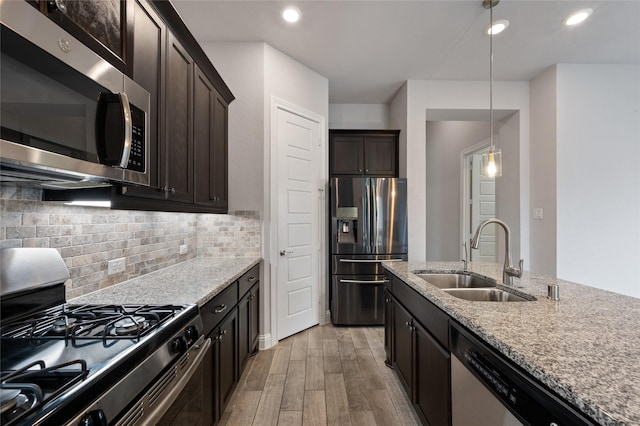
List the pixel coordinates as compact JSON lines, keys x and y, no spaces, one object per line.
{"x":251,"y":278}
{"x":58,"y":5}
{"x":220,"y":308}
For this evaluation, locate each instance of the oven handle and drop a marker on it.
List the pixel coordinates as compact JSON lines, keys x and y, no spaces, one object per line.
{"x":172,"y":395}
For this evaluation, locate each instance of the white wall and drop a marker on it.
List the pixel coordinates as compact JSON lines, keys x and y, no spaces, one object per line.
{"x":289,"y":80}
{"x":398,"y":120}
{"x":255,"y":73}
{"x":598,"y":176}
{"x":445,"y":141}
{"x":422,"y":96}
{"x":542,"y":243}
{"x":241,"y":66}
{"x":359,"y":116}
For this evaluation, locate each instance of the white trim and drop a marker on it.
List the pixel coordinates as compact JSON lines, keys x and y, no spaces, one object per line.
{"x":265,"y":341}
{"x":464,"y":191}
{"x":272,"y":256}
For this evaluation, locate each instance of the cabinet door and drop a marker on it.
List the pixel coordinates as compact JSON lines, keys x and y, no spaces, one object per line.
{"x":148,"y":71}
{"x":402,"y":346}
{"x":244,"y":321}
{"x":219,"y":161}
{"x":381,"y":156}
{"x":225,"y":362}
{"x":103,"y":25}
{"x":432,"y":388}
{"x":346,"y":155}
{"x":178,"y":149}
{"x":388,"y":327}
{"x":254,"y":317}
{"x":204,"y":98}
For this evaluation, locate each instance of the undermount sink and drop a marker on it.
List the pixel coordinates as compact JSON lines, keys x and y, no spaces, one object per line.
{"x":455,"y":280}
{"x":485,"y":295}
{"x":470,"y":287}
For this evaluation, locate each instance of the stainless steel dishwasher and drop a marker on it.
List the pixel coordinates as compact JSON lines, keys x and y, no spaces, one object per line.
{"x":488,"y":390}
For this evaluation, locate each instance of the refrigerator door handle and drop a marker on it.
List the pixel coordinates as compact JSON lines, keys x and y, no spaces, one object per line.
{"x":363,"y":281}
{"x":369,"y":260}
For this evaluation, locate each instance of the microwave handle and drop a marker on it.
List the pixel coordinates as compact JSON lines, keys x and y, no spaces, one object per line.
{"x":128,"y":129}
{"x":117,"y":156}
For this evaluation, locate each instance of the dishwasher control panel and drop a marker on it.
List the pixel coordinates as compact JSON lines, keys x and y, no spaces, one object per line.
{"x":528,"y":400}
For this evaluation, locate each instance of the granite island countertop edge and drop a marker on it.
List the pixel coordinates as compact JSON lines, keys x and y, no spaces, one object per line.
{"x":568,"y":370}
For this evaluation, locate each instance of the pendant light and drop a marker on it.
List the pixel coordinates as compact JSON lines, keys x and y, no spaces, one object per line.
{"x":492,"y":160}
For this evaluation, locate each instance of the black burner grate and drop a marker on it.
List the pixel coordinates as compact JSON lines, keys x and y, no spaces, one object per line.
{"x":90,"y":322}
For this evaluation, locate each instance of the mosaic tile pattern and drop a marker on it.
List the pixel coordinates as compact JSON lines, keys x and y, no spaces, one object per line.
{"x":584,"y":346}
{"x":88,"y":237}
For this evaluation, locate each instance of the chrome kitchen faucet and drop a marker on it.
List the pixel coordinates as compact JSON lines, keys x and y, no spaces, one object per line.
{"x":509,"y":270}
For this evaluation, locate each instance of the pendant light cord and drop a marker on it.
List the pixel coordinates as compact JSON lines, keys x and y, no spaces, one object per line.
{"x":491,"y":77}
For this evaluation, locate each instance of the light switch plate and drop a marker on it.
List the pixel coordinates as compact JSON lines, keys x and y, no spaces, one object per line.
{"x":183,"y":249}
{"x":116,"y":265}
{"x":538,"y":213}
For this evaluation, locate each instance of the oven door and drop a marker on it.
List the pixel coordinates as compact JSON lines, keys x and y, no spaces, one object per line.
{"x":176,"y":399}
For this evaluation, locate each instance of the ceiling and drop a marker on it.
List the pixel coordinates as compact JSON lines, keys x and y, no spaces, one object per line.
{"x":367,"y":49}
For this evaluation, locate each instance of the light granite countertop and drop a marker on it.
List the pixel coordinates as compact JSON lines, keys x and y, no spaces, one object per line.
{"x":195,"y":281}
{"x":585,"y":346}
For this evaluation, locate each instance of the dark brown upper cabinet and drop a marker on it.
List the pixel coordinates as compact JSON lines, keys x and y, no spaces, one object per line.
{"x":188,"y":119}
{"x":105,"y":26}
{"x":210,"y":143}
{"x":177,"y":154}
{"x":363,"y":153}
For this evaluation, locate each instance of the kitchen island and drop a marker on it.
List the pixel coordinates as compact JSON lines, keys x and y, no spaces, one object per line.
{"x":585,"y":346}
{"x":195,"y":281}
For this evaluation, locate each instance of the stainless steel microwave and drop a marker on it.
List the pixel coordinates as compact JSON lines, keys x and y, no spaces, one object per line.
{"x":67,"y":117}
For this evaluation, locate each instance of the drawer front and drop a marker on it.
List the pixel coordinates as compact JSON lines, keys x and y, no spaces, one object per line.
{"x":429,"y":315}
{"x":247,"y":281}
{"x":217,"y":308}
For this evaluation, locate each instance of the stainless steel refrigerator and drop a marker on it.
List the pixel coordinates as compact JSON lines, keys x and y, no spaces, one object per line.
{"x":368,"y":225}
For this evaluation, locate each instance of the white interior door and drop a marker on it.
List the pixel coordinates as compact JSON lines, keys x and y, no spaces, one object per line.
{"x":298,"y":176}
{"x":483,"y":207}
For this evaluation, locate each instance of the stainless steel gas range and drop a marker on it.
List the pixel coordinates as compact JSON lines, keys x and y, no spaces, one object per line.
{"x":94,"y":364}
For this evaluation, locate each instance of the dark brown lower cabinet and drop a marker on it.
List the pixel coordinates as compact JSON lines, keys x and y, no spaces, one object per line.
{"x":420,"y":361}
{"x":225,"y":362}
{"x":231,"y":321}
{"x":402,"y":346}
{"x":432,"y":392}
{"x":388,"y":324}
{"x":248,"y":325}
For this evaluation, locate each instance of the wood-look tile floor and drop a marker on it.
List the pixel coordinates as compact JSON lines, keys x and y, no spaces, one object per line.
{"x":325,"y":375}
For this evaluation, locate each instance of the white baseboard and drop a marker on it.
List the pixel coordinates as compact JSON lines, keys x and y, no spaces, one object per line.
{"x":265,"y":341}
{"x":326,"y":318}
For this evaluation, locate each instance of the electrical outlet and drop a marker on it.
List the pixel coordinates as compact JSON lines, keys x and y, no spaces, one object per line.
{"x":183,"y":249}
{"x":116,"y":265}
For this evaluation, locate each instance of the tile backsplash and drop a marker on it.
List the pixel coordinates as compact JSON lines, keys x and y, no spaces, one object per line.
{"x":88,"y":237}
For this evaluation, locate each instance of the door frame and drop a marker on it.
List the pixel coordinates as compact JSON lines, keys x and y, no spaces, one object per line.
{"x":465,"y":191}
{"x":322,"y":186}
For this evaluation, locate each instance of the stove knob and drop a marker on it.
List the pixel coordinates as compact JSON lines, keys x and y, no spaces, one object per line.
{"x":179,"y":345}
{"x":93,"y":418}
{"x":191,"y":334}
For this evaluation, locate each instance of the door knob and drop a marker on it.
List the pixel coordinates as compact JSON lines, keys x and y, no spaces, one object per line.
{"x":285,"y":252}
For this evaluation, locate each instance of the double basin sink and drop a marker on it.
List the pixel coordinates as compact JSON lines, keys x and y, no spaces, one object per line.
{"x":469,"y":287}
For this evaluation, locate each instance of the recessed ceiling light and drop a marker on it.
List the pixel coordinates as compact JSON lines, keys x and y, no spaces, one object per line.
{"x":576,"y":17}
{"x":291,"y":14}
{"x":498,"y":26}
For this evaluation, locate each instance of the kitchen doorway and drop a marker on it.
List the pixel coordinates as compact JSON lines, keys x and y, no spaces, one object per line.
{"x":478,"y":204}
